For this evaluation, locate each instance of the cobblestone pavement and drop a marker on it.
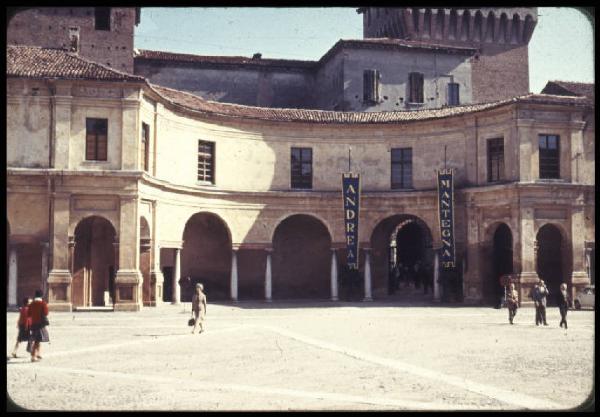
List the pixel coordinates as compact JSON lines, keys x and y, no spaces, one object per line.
{"x":307,"y":356}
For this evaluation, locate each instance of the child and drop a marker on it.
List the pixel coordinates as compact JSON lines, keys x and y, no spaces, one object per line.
{"x":23,"y":324}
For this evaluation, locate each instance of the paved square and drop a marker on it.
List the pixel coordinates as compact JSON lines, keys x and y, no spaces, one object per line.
{"x":307,"y":356}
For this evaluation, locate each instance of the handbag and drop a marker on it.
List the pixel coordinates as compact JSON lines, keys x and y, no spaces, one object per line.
{"x":192,"y":320}
{"x":45,"y":321}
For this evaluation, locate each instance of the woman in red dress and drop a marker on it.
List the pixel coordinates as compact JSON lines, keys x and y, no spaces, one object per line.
{"x":23,"y":324}
{"x":38,"y":311}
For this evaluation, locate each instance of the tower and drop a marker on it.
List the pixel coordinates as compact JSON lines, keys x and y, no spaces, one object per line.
{"x":101,"y":34}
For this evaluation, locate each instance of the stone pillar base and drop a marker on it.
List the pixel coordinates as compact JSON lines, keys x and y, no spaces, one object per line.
{"x":128,"y":290}
{"x":59,"y":290}
{"x":157,"y":279}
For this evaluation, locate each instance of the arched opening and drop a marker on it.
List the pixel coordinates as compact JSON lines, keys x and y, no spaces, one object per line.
{"x":551,"y":266}
{"x":478,"y":27}
{"x":439,"y":27}
{"x":94,"y":262}
{"x":503,"y":34}
{"x":465,"y":28}
{"x":452,"y":25}
{"x":399,"y":244}
{"x":415,"y":16}
{"x":206,"y":257}
{"x":514,"y":32}
{"x":490,"y":27}
{"x":427,"y":24}
{"x":501,"y":263}
{"x":145,"y":262}
{"x":301,"y":258}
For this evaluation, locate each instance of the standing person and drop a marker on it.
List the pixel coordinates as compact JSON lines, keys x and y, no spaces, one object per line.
{"x":417,"y":274}
{"x":23,"y":324}
{"x":199,"y":307}
{"x":38,"y":313}
{"x":512,"y":301}
{"x":563,"y":304}
{"x":539,"y":294}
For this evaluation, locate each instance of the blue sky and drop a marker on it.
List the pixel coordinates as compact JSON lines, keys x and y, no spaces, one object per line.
{"x":562,"y":46}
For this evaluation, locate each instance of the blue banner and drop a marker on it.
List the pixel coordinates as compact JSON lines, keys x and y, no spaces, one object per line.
{"x":351,"y":194}
{"x":446,"y":216}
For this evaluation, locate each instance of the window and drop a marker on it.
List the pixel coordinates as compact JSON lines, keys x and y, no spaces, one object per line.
{"x":144,"y":148}
{"x":453,"y":97}
{"x":402,"y":168}
{"x":415,"y":86}
{"x":102,"y":18}
{"x":549,"y":156}
{"x":371,"y":86}
{"x":96,"y":132}
{"x":495,"y":150}
{"x":301,"y":168}
{"x":206,"y":161}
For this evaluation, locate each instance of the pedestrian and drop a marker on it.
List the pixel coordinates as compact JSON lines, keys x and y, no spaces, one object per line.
{"x":38,"y":313}
{"x":539,"y":294}
{"x":23,"y":324}
{"x":512,"y":301}
{"x":563,"y":304}
{"x":199,"y":307}
{"x":417,"y":274}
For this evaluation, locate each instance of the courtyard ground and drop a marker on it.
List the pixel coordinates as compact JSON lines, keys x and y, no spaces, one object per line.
{"x":307,"y":356}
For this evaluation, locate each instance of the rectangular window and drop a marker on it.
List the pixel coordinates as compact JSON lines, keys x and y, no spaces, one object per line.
{"x":96,"y":142}
{"x":549,"y":156}
{"x":401,"y":168}
{"x":102,"y":18}
{"x":144,"y":148}
{"x":206,"y":161}
{"x":301,"y":168}
{"x":415,"y":85}
{"x":371,"y":86}
{"x":453,"y":96}
{"x":495,"y":151}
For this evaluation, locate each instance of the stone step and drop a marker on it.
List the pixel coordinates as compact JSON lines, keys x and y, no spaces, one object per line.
{"x":93,"y":308}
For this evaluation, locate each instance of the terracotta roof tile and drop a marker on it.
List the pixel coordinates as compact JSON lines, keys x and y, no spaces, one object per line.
{"x":197,"y":104}
{"x":145,"y":54}
{"x":38,"y":62}
{"x":569,"y":88}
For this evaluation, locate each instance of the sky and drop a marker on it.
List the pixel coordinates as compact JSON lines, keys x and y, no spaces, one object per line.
{"x":561,"y":48}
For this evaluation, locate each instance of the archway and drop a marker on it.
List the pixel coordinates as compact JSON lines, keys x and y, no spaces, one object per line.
{"x":301,"y":258}
{"x":399,"y":243}
{"x":500,"y":263}
{"x":94,"y":262}
{"x":206,"y":257}
{"x":551,"y":266}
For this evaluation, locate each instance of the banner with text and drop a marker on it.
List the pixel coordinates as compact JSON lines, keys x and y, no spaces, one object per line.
{"x":351,"y":194}
{"x":446,"y":216}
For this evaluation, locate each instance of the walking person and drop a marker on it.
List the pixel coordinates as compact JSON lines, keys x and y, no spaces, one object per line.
{"x":512,"y":302}
{"x":38,"y":313}
{"x":563,"y":304}
{"x":199,"y":307}
{"x":23,"y":324}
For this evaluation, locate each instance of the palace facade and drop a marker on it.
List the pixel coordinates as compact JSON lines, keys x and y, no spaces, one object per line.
{"x":123,"y":191}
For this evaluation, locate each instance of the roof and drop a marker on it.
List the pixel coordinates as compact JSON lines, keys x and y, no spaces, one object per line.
{"x":38,"y":62}
{"x":569,"y":88}
{"x":394,"y":44}
{"x":198,"y":104}
{"x":145,"y":54}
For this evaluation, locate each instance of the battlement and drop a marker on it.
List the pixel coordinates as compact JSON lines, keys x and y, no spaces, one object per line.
{"x":467,"y":26}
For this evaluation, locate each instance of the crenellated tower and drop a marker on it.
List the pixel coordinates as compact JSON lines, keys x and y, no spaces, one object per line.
{"x":501,"y":35}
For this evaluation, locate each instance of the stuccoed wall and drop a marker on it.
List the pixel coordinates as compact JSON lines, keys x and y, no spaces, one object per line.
{"x":394,"y":68}
{"x":248,"y":86}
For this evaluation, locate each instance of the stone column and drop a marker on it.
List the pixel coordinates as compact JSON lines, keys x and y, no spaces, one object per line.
{"x":59,"y":277}
{"x":156,"y":276}
{"x":62,"y":101}
{"x":436,"y":276}
{"x":129,"y":278}
{"x":12,"y":277}
{"x":176,"y":291}
{"x":528,"y":276}
{"x":368,"y":296}
{"x":234,"y":275}
{"x":577,"y":150}
{"x":44,"y":287}
{"x":268,"y":277}
{"x":334,"y":276}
